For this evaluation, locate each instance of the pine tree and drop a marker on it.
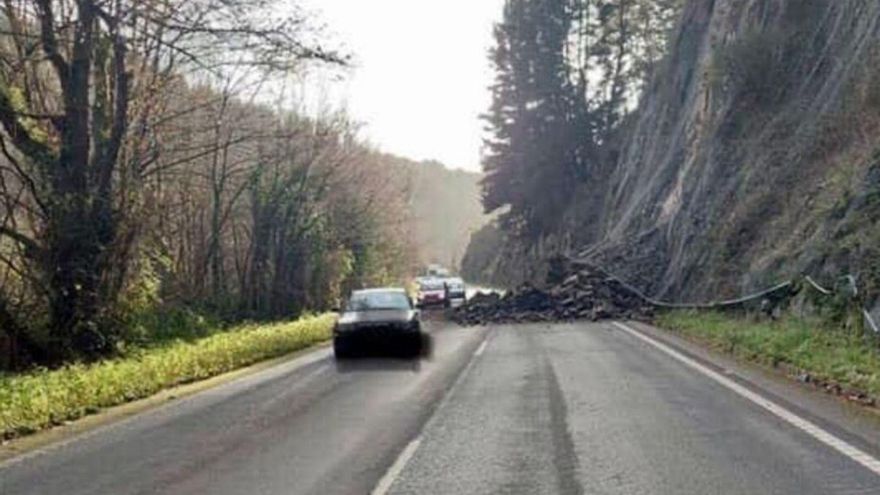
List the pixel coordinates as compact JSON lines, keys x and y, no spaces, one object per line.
{"x":567,"y":74}
{"x":529,"y":159}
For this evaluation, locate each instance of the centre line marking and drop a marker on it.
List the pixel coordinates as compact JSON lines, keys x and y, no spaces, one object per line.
{"x":396,"y":468}
{"x":482,"y":348}
{"x":409,"y":451}
{"x":847,"y":449}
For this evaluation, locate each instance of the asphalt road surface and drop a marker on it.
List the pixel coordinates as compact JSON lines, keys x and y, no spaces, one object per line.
{"x":570,"y":409}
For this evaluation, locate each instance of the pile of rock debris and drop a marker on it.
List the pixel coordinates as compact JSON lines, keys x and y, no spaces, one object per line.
{"x":587,"y":294}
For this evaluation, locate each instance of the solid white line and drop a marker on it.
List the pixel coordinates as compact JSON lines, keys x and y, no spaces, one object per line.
{"x":396,"y":468}
{"x":845,"y":448}
{"x":482,"y":348}
{"x":400,"y":463}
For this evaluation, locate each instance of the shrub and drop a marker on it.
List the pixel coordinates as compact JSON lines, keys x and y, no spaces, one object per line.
{"x":40,"y":399}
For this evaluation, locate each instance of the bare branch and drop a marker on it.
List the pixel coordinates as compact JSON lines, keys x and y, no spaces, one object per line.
{"x":50,"y":41}
{"x":31,"y":246}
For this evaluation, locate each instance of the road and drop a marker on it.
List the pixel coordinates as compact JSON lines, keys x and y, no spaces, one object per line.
{"x":568,"y":408}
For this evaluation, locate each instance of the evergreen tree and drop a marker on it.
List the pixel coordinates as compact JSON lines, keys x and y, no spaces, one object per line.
{"x":567,"y":74}
{"x":531,"y":160}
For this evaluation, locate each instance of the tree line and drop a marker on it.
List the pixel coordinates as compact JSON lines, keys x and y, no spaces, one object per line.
{"x":144,"y":168}
{"x":567,"y":75}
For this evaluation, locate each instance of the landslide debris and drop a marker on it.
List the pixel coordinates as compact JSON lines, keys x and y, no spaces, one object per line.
{"x":586,"y":294}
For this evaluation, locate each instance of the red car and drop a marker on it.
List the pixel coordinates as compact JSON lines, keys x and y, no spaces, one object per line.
{"x":431,"y":293}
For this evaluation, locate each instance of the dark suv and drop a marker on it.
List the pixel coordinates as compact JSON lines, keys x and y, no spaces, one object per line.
{"x":380,"y":319}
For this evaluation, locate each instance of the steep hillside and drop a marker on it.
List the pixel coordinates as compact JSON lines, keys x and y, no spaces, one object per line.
{"x":754,"y":155}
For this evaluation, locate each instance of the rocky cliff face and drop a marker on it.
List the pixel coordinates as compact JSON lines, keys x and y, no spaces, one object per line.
{"x":754,"y":155}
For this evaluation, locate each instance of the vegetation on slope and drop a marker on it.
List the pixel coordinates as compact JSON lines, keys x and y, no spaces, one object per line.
{"x":843,"y":361}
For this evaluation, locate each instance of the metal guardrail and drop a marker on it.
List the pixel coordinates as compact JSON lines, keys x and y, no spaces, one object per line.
{"x":870,"y":321}
{"x":854,"y":293}
{"x":673,"y":305}
{"x":816,"y":286}
{"x":789,"y":284}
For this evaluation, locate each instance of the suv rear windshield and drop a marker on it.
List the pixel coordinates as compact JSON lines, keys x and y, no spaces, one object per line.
{"x":432,"y":285}
{"x":364,"y":301}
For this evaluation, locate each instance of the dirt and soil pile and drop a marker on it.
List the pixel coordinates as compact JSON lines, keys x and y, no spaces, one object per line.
{"x":585,"y":294}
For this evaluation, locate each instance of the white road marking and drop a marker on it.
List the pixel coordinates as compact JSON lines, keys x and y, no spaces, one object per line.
{"x":482,"y":348}
{"x":409,"y":451}
{"x":396,"y":468}
{"x":868,"y":461}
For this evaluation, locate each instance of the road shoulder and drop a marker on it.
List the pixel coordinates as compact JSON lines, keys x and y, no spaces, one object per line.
{"x":851,"y":421}
{"x":14,"y":450}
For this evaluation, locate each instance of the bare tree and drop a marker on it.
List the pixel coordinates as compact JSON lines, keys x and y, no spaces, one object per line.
{"x":81,"y":88}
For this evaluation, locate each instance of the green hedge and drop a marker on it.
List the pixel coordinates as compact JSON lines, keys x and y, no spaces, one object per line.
{"x":34,"y":401}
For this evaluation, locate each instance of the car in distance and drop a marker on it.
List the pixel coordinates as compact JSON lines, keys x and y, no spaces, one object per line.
{"x":455,"y":290}
{"x":382,"y":319}
{"x":438,"y":271}
{"x":430,"y":292}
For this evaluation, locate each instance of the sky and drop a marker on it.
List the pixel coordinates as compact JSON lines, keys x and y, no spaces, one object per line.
{"x":421,"y":73}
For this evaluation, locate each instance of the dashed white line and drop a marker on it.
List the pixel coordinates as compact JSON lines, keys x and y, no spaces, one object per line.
{"x":482,"y":348}
{"x":854,"y":453}
{"x":396,"y":468}
{"x":387,"y":480}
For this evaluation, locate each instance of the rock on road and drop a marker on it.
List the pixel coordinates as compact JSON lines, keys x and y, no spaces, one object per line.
{"x":567,"y":408}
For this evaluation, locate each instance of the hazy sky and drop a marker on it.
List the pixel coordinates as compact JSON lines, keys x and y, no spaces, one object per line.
{"x":422,"y":72}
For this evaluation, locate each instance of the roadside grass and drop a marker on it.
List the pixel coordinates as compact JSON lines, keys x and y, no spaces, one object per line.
{"x":827,"y":355}
{"x":40,"y":399}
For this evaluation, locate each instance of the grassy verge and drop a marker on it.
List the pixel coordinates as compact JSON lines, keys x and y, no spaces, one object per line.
{"x":834,"y":358}
{"x":37,"y":400}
